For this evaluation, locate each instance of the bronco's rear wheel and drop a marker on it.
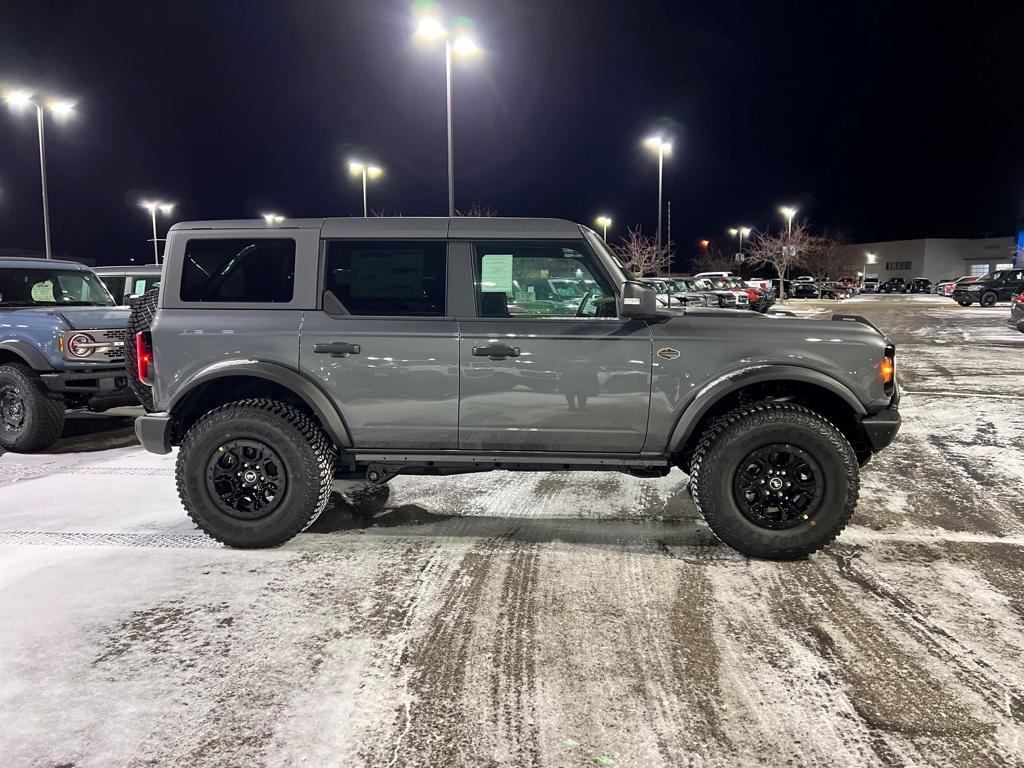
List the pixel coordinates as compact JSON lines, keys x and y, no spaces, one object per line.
{"x":775,"y":480}
{"x":254,"y":473}
{"x":963,"y":303}
{"x":140,"y":319}
{"x":30,"y":417}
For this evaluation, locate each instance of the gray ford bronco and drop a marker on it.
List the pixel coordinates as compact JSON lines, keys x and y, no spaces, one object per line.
{"x":62,"y":346}
{"x":283,"y":357}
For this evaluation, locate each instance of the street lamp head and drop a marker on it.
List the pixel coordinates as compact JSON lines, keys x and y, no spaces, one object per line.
{"x":658,"y":143}
{"x":788,"y":212}
{"x":604,"y":221}
{"x":62,"y":109}
{"x":355,"y":167}
{"x":464,"y":45}
{"x":374,"y":171}
{"x":704,"y":244}
{"x":273,"y":218}
{"x":18,"y":99}
{"x":149,"y":205}
{"x":734,"y":231}
{"x":430,"y":28}
{"x":744,"y":231}
{"x":166,"y":208}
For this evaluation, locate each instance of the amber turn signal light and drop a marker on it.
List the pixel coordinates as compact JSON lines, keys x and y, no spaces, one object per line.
{"x":888,"y":370}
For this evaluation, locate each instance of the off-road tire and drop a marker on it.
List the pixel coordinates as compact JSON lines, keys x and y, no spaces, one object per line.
{"x":732,"y":437}
{"x":306,"y":453}
{"x":140,"y":319}
{"x":963,"y":303}
{"x":44,"y":411}
{"x":989,"y":299}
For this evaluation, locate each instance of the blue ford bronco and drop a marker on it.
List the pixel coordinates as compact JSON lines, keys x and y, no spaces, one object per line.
{"x":62,"y":345}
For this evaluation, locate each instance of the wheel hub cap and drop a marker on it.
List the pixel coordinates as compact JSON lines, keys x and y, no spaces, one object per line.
{"x":12,"y":408}
{"x":778,"y":486}
{"x":246,"y":479}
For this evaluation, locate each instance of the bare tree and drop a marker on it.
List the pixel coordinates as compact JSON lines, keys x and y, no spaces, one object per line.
{"x":384,"y":213}
{"x":478,"y":210}
{"x":782,"y":251}
{"x":641,"y":255}
{"x":713,"y":259}
{"x":824,"y":255}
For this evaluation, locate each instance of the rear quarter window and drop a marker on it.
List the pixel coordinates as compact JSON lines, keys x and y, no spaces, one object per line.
{"x":252,"y":270}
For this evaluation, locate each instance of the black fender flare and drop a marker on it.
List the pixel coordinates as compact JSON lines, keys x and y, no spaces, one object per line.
{"x":705,"y":400}
{"x":36,"y":359}
{"x":305,"y":389}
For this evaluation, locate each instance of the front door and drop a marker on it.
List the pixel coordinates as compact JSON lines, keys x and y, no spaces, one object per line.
{"x":546,"y":365}
{"x":382,"y":347}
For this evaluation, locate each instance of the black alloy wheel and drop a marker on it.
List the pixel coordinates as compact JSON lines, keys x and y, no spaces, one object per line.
{"x":778,"y":486}
{"x":246,"y":479}
{"x":12,"y":408}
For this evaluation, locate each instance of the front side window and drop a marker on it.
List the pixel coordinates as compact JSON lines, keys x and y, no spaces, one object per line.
{"x":540,"y":279}
{"x":256,"y":270}
{"x":388,"y":278}
{"x":51,"y":287}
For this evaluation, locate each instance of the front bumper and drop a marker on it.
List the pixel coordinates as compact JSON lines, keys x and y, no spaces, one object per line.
{"x":971,"y":296}
{"x":154,"y":432}
{"x":99,"y":389}
{"x":882,"y":427}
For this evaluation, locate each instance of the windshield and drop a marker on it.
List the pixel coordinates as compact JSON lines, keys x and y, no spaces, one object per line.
{"x":52,"y":288}
{"x":569,"y":289}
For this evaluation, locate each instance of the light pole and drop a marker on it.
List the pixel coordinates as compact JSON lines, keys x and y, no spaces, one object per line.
{"x":152,"y":206}
{"x":366,"y":170}
{"x":741,"y":232}
{"x":604,"y":222}
{"x":458,"y":40}
{"x":789,"y":213}
{"x":662,"y":147}
{"x":59,"y":108}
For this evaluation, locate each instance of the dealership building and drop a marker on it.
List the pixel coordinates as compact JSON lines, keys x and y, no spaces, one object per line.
{"x":933,"y":258}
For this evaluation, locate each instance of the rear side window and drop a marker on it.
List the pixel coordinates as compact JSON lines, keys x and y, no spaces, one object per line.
{"x":248,"y":270}
{"x":387,"y":278}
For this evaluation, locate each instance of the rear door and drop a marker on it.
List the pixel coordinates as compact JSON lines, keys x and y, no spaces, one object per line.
{"x":562,"y":375}
{"x":1012,"y":285}
{"x":382,"y":345}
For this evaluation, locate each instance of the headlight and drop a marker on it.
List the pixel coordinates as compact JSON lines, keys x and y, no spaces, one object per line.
{"x":974,"y":288}
{"x":81,"y":345}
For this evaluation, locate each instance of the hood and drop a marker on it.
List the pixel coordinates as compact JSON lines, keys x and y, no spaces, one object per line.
{"x":85,"y":318}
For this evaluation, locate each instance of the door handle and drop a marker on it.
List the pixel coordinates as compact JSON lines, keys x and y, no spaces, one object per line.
{"x":496,"y":351}
{"x":337,"y":349}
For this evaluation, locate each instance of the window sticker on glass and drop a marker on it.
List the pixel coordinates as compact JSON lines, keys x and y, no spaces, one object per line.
{"x":496,"y":273}
{"x":140,"y":287}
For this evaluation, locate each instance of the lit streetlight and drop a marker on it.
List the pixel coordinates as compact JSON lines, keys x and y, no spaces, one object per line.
{"x":740,"y":232}
{"x":366,"y":170}
{"x":662,"y":147}
{"x":604,"y":222}
{"x":789,"y":213}
{"x":153,"y":206}
{"x":272,"y":218}
{"x":61,"y":109}
{"x":458,"y":39}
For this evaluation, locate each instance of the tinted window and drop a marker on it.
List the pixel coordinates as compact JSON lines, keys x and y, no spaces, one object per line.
{"x":115,"y":285}
{"x":552,"y":279}
{"x":388,"y":278}
{"x":253,"y":270}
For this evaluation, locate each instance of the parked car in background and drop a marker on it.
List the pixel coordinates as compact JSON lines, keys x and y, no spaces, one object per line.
{"x":692,"y":293}
{"x":804,"y":289}
{"x":758,"y":299}
{"x":950,"y":287}
{"x":833,"y":290}
{"x":724,"y":284}
{"x":1017,"y":312}
{"x":870,"y":285}
{"x":893,"y":285}
{"x":939,"y":286}
{"x":852,"y":284}
{"x":130,"y":282}
{"x":919,"y":285}
{"x":62,"y":346}
{"x":665,"y":291}
{"x":727,"y":299}
{"x":1000,"y":285}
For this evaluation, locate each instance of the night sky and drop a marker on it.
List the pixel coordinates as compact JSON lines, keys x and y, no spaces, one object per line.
{"x":888,"y":119}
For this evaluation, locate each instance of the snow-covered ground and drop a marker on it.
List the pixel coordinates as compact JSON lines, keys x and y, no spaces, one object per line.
{"x":520,"y":619}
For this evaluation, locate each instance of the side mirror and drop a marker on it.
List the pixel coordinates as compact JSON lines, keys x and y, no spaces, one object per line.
{"x":638,"y":301}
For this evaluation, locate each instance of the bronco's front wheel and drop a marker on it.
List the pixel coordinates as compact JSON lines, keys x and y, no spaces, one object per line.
{"x":775,"y":480}
{"x":254,"y":473}
{"x":31,"y":418}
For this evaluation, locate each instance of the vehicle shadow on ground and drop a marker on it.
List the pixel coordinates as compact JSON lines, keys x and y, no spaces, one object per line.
{"x":369,"y":513}
{"x":89,"y":432}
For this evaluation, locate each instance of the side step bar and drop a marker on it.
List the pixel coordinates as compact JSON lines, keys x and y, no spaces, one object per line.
{"x":379,"y":467}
